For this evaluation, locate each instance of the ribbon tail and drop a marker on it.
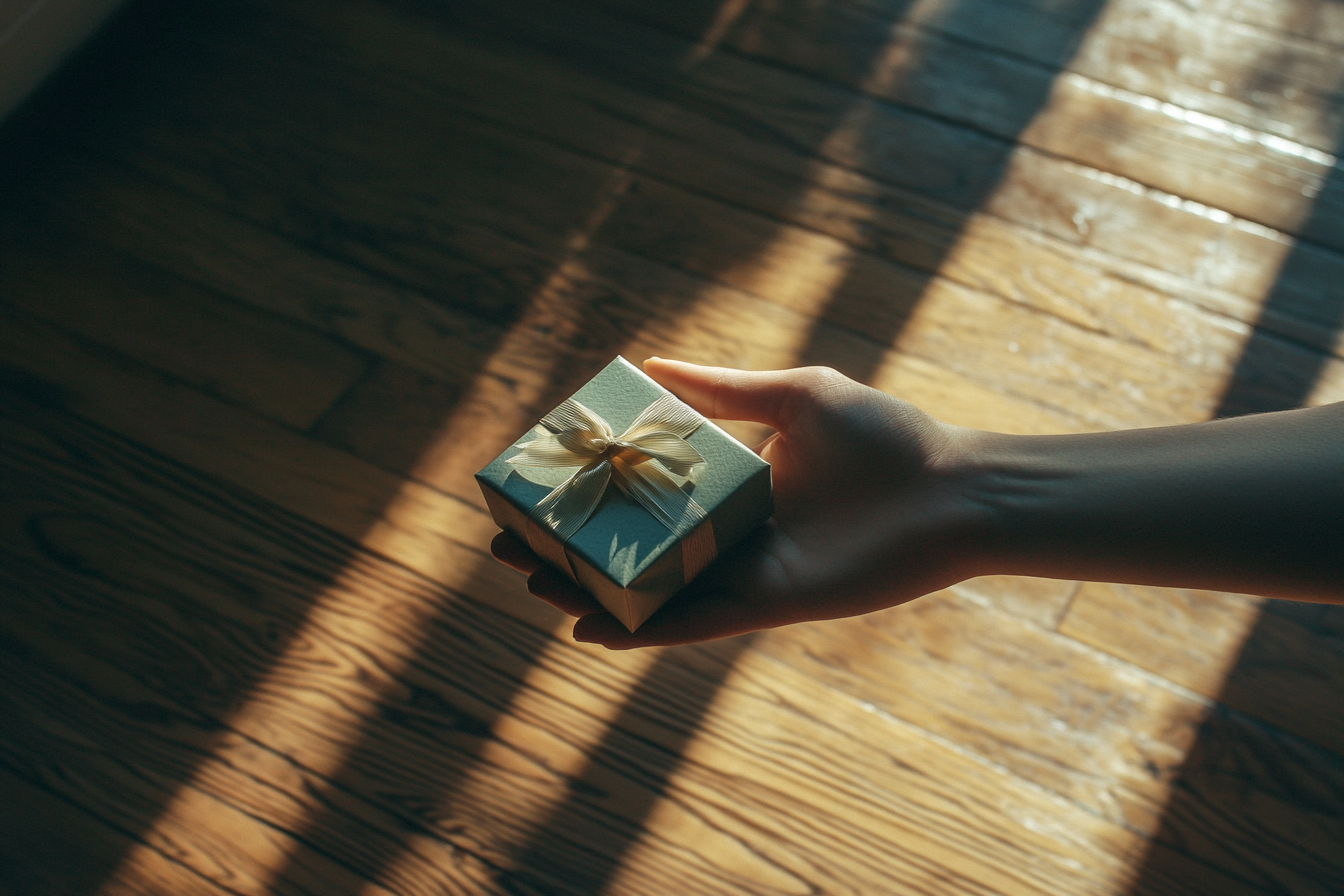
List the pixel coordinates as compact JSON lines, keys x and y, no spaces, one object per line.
{"x":568,"y":506}
{"x":658,"y":493}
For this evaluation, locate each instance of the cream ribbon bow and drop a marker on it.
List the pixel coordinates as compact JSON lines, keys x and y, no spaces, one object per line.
{"x":649,"y":462}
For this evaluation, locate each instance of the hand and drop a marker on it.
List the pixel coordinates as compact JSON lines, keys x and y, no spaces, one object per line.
{"x":867,"y":512}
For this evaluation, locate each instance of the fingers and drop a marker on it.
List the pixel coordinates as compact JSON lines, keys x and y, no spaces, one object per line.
{"x":772,"y":397}
{"x":556,"y":589}
{"x":544,"y":582}
{"x":514,"y":554}
{"x":672,"y":625}
{"x":764,"y":449}
{"x":743,"y":592}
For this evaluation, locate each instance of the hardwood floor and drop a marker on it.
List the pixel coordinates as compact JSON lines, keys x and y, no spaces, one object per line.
{"x":276,"y":278}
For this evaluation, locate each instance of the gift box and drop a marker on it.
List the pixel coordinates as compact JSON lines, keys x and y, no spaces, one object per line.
{"x":627,"y":490}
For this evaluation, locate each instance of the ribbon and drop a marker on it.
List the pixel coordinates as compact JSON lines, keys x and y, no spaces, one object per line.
{"x":649,"y":462}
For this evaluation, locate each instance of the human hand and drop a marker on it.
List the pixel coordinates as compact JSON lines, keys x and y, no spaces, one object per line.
{"x":868,"y":513}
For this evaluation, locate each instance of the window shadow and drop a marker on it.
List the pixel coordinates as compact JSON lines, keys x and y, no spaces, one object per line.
{"x":144,"y":606}
{"x":982,"y":99}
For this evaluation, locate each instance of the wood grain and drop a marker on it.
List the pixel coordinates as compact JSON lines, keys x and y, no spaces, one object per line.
{"x":1058,"y":299}
{"x":1021,"y":748}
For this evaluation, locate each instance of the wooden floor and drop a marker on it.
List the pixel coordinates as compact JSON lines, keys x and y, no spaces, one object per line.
{"x":277,"y":277}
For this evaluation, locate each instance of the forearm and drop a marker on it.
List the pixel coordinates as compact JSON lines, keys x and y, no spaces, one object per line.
{"x":1253,"y":504}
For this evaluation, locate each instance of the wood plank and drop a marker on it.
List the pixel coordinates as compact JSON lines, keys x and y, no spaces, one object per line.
{"x":995,"y":340}
{"x":387,"y":424}
{"x":1189,"y":637}
{"x":218,"y":672}
{"x":298,"y":731}
{"x":276,"y":275}
{"x":613,"y":298}
{"x":440,"y":536}
{"x":1041,"y":602}
{"x":976,"y":265}
{"x":890,"y":853}
{"x":1094,"y":742}
{"x":1317,"y":20}
{"x":30,"y":342}
{"x":472,"y":751}
{"x":760,"y":683}
{"x":1280,"y":663}
{"x":1227,"y":266}
{"x":1190,"y":338}
{"x":285,"y":372}
{"x":1047,"y":765}
{"x":339,"y":497}
{"x":1288,"y":189}
{"x":652,"y":307}
{"x":236,"y":851}
{"x":1212,"y":817}
{"x":1236,"y":69}
{"x":759,"y":117}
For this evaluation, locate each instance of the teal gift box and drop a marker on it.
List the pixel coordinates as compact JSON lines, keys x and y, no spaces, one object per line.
{"x":627,"y":490}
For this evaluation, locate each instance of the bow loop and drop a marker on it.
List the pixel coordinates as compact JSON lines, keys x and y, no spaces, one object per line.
{"x":667,"y":414}
{"x":572,"y":415}
{"x":671,"y":450}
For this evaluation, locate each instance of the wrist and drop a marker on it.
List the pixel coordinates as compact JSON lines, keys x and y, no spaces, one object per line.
{"x":1033,"y":504}
{"x":973,"y":474}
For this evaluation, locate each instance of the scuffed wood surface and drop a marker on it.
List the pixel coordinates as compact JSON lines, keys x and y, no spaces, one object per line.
{"x":1290,"y":666}
{"x":280,"y":277}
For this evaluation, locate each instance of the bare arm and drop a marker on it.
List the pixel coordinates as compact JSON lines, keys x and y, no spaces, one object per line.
{"x":878,"y":503}
{"x":1253,"y":504}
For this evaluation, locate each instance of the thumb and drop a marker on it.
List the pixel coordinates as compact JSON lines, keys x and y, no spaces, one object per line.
{"x":771,"y":397}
